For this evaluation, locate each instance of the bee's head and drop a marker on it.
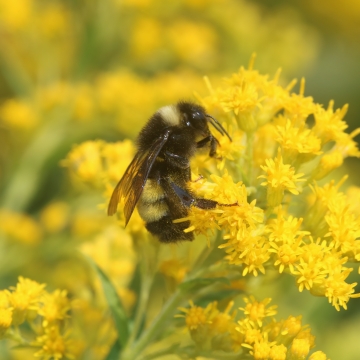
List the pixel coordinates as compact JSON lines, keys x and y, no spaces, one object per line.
{"x":194,"y":116}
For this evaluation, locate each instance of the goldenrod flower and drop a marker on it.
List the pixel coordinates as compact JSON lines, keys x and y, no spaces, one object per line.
{"x":24,"y":299}
{"x":256,"y":311}
{"x":18,"y":114}
{"x":197,"y":316}
{"x":146,"y":36}
{"x":54,"y":20}
{"x":197,"y":42}
{"x":55,"y":216}
{"x":299,"y":349}
{"x":229,"y":150}
{"x":309,"y":275}
{"x":198,"y":321}
{"x":29,"y":301}
{"x":329,"y":124}
{"x":279,"y":177}
{"x":285,"y":238}
{"x":278,"y":352}
{"x":261,"y":349}
{"x":54,"y":307}
{"x":347,"y":145}
{"x":13,"y":18}
{"x":318,"y":355}
{"x":54,"y":345}
{"x":85,"y":161}
{"x":5,"y":320}
{"x":5,"y":313}
{"x":242,"y":100}
{"x":318,"y":206}
{"x":20,"y":227}
{"x":4,"y":299}
{"x":338,"y":291}
{"x":249,"y":249}
{"x":297,"y":106}
{"x":117,"y":157}
{"x":261,"y":335}
{"x":343,"y":225}
{"x":299,"y":144}
{"x":288,"y":329}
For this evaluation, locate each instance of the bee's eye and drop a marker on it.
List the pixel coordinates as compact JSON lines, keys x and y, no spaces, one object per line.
{"x":196,"y":115}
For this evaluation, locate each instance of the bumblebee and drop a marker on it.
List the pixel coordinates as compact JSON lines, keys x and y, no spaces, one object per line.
{"x":156,"y":179}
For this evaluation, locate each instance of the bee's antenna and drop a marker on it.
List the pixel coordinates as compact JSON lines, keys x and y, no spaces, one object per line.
{"x":218,"y":126}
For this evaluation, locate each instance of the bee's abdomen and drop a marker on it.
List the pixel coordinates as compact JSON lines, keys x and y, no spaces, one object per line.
{"x":152,"y":205}
{"x":167,"y":231}
{"x":153,"y":209}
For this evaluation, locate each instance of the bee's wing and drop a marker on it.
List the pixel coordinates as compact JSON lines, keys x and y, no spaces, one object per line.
{"x":133,"y":181}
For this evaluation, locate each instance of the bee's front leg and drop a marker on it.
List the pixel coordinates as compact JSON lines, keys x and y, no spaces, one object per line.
{"x":214,"y":143}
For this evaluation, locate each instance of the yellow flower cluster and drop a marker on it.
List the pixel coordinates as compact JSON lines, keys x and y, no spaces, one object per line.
{"x":19,"y":227}
{"x":47,"y":315}
{"x":97,"y":161}
{"x":116,"y":95}
{"x":82,"y":103}
{"x":273,"y":212}
{"x":314,"y":240}
{"x":97,"y":237}
{"x":253,"y":332}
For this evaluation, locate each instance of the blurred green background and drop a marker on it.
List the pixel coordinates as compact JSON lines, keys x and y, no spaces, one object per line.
{"x":76,"y":70}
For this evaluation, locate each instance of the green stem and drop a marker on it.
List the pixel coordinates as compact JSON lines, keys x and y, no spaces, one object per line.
{"x":156,"y":327}
{"x":206,"y":254}
{"x":158,"y":324}
{"x":218,"y":355}
{"x":147,"y":270}
{"x":169,"y":351}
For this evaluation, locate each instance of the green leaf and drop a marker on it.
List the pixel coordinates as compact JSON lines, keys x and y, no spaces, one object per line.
{"x":202,"y":282}
{"x":116,"y":307}
{"x":114,"y":352}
